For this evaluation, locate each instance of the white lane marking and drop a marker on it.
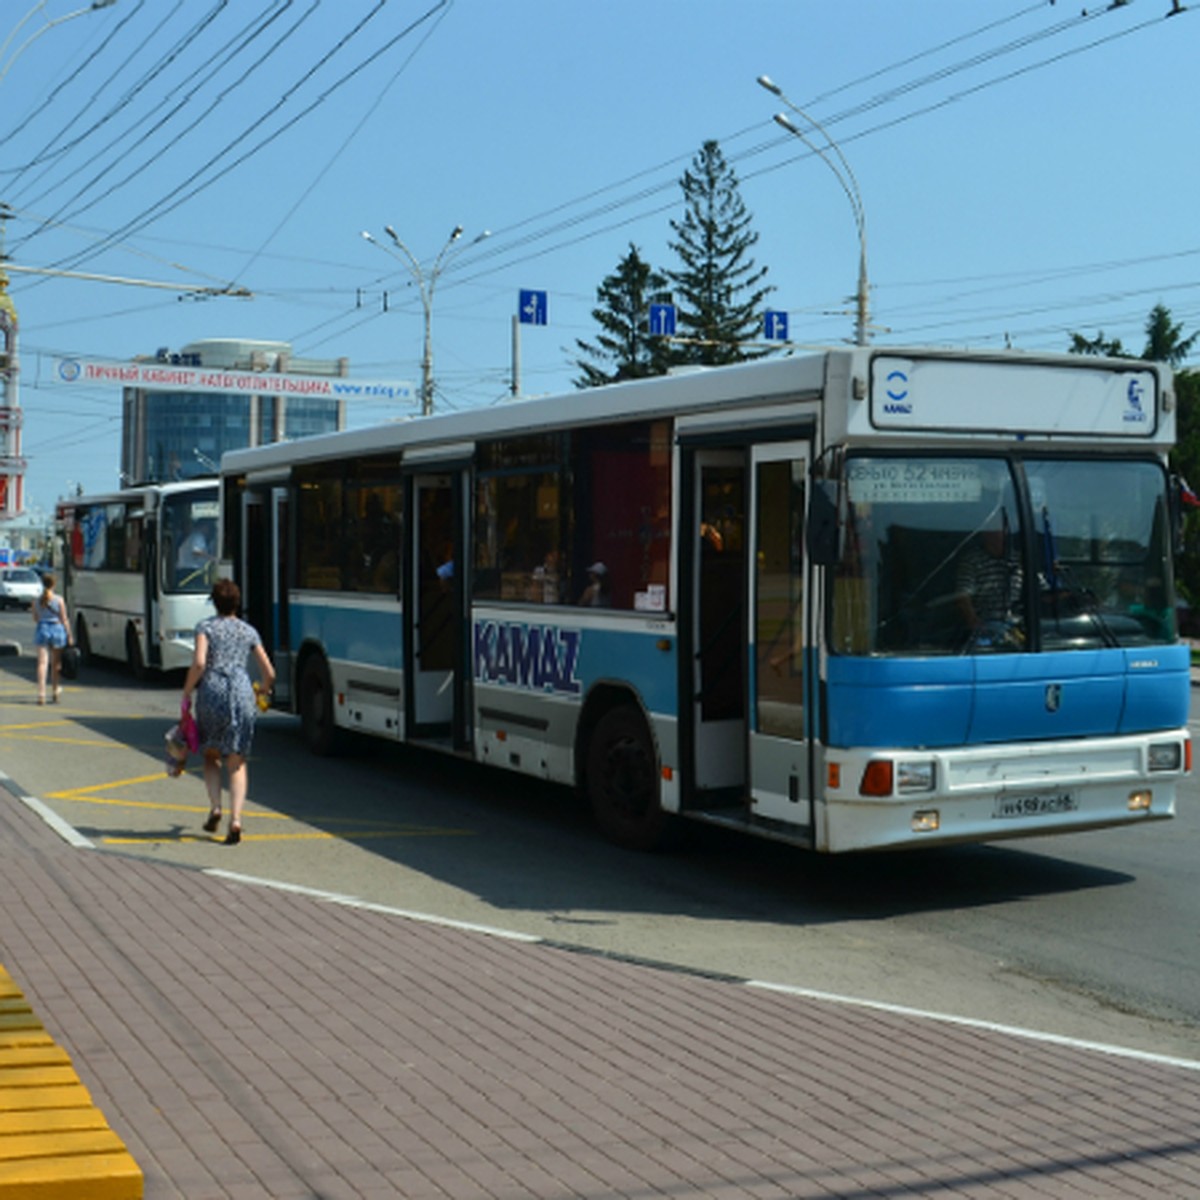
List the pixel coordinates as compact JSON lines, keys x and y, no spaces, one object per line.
{"x":368,"y":906}
{"x":64,"y":829}
{"x":275,"y":884}
{"x":1031,"y":1035}
{"x":70,"y":835}
{"x":511,"y":935}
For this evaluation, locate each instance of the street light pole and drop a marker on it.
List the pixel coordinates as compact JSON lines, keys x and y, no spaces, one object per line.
{"x":845,"y":176}
{"x":426,"y":283}
{"x":79,"y":12}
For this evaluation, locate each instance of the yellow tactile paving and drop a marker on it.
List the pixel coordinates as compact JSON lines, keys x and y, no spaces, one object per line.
{"x":54,"y":1143}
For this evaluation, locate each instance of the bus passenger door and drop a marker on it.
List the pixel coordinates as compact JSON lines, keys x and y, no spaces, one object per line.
{"x":718,"y":624}
{"x":151,"y":592}
{"x":780,"y":667}
{"x":435,"y":639}
{"x":264,"y":574}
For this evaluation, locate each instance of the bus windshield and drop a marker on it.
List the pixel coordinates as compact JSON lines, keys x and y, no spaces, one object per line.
{"x":981,"y":555}
{"x":189,"y":541}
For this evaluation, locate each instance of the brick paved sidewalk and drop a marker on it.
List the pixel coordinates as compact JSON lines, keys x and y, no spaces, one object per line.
{"x":251,"y":1043}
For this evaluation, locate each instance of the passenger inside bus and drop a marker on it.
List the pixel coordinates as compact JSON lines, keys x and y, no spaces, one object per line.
{"x":990,"y":579}
{"x":596,"y":594}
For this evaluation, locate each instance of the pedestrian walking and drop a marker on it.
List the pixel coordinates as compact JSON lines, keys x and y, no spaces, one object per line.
{"x":225,"y":707}
{"x":52,"y":631}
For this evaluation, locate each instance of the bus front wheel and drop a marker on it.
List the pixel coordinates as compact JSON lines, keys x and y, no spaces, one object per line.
{"x":316,"y":708}
{"x":622,"y":780}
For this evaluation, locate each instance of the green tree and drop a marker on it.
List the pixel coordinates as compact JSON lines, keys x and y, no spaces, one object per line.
{"x":719,"y":288}
{"x":1185,"y":462}
{"x":1165,"y":343}
{"x":1164,"y":338}
{"x":1099,"y":345}
{"x":625,"y":349}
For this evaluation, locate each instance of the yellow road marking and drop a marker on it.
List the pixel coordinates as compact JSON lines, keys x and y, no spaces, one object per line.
{"x":315,"y":835}
{"x":91,"y":794}
{"x":76,"y":741}
{"x":43,"y":724}
{"x":88,"y":795}
{"x":103,"y":787}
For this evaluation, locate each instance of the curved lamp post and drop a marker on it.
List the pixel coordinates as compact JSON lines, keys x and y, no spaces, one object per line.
{"x":426,"y":281}
{"x":79,"y":12}
{"x":845,"y":176}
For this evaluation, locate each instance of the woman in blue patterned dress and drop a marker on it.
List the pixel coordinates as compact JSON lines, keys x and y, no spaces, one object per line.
{"x":225,"y":703}
{"x":52,"y":631}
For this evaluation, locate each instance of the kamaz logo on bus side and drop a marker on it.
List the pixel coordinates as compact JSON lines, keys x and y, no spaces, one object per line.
{"x":1134,"y":411}
{"x":538,"y":657}
{"x":897,"y":394}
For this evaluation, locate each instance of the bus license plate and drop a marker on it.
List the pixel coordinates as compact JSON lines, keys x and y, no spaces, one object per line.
{"x":1041,"y":805}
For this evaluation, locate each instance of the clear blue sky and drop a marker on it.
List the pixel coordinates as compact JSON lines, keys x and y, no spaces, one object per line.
{"x":1026,"y":169}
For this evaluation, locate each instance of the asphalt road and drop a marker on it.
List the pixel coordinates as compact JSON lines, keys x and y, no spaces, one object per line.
{"x":1091,"y":936}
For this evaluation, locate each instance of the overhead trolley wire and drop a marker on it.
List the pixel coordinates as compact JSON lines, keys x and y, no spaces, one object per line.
{"x":208,"y":70}
{"x":212,"y":71}
{"x":178,"y":196}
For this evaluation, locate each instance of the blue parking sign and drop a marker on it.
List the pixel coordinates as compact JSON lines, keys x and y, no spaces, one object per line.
{"x":532,"y":307}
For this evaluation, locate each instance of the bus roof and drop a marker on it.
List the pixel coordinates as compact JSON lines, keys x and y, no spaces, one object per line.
{"x":847,"y":372}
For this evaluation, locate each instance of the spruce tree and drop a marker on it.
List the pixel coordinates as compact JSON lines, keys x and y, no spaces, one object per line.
{"x":624,"y":349}
{"x":1164,"y":338}
{"x":719,"y":289}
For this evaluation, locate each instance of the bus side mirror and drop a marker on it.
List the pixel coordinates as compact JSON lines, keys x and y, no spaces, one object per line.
{"x":823,"y":531}
{"x":1182,"y":501}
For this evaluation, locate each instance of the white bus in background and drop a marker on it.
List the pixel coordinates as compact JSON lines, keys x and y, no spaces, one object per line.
{"x":138,"y":566}
{"x":861,"y":599}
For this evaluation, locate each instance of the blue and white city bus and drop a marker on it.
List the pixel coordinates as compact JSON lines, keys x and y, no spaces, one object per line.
{"x":138,"y":566}
{"x":865,"y":598}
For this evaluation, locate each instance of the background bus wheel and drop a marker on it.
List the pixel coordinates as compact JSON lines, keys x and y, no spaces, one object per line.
{"x":316,"y":708}
{"x":622,"y":780}
{"x":83,"y":641}
{"x":133,"y":654}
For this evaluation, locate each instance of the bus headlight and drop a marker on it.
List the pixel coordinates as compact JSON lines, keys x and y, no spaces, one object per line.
{"x":1165,"y":756}
{"x":916,"y":776}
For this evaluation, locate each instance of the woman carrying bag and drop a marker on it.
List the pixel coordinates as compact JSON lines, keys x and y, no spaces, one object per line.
{"x":52,"y":631}
{"x":225,"y":701}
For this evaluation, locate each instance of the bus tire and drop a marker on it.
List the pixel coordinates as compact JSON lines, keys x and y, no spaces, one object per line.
{"x":133,"y":654}
{"x":622,"y":780}
{"x":83,"y":642}
{"x":320,"y":733}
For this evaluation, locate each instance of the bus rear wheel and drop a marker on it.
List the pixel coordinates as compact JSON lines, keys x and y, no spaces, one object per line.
{"x":83,"y":641}
{"x":316,"y":708}
{"x":133,"y":654}
{"x":622,"y":780}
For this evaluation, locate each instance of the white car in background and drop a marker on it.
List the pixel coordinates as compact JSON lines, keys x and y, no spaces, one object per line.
{"x":19,"y":587}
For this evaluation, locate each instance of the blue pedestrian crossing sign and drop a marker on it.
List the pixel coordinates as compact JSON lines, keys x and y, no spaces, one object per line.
{"x":532,"y":307}
{"x":775,"y":325}
{"x":662,"y":320}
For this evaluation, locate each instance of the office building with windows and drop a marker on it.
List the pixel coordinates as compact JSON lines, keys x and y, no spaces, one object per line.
{"x":172,"y":435}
